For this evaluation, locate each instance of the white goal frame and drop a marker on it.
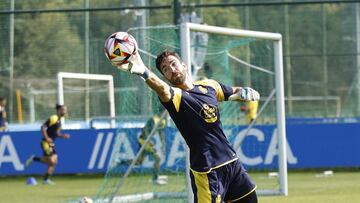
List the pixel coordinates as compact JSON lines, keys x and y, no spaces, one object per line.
{"x":111,"y":95}
{"x":185,"y":29}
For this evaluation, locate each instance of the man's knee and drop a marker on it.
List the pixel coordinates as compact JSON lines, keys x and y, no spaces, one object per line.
{"x":157,"y":157}
{"x":53,"y":160}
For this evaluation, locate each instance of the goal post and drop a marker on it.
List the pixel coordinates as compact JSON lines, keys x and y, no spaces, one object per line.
{"x":82,"y":76}
{"x":231,"y":56}
{"x":186,"y":28}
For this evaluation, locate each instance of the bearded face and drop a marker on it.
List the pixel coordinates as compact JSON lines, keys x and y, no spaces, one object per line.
{"x":174,"y":70}
{"x":62,"y":111}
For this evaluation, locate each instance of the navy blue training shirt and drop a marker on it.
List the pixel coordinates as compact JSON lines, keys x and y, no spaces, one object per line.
{"x":196,"y":114}
{"x":53,"y":125}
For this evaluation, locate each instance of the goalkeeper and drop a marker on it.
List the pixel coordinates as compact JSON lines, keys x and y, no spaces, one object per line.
{"x":150,"y":146}
{"x":216,"y":172}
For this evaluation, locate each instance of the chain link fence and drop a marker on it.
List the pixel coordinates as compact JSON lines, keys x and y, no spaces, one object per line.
{"x":38,"y":39}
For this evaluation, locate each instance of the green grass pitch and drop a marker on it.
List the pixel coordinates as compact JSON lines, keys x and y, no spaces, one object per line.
{"x":303,"y":187}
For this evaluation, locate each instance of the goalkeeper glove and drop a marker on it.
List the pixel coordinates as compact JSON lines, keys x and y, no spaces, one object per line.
{"x":135,"y":66}
{"x":245,"y":94}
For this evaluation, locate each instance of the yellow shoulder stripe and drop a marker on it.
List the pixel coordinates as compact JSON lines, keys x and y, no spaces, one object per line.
{"x":53,"y":120}
{"x":215,"y":85}
{"x":176,"y":98}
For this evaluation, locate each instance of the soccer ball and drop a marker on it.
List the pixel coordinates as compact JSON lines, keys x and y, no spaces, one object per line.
{"x":120,"y":47}
{"x":86,"y":200}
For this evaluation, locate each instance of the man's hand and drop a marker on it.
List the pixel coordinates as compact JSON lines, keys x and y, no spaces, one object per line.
{"x":135,"y":66}
{"x":66,"y":136}
{"x":245,"y":94}
{"x":49,"y":140}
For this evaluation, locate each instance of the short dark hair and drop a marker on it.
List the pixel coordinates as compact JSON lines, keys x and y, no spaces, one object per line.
{"x":58,"y":106}
{"x":2,"y":99}
{"x":163,"y":55}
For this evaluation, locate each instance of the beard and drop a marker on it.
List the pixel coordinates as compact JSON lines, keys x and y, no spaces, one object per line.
{"x":179,"y":78}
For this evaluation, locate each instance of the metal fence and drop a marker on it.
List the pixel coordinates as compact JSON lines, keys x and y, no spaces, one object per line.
{"x":40,"y":38}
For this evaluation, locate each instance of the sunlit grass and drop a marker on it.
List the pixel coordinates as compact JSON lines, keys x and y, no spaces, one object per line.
{"x":303,"y":187}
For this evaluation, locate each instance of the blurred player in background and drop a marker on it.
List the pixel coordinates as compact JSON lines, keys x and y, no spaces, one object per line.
{"x":50,"y":131}
{"x":150,"y":148}
{"x":250,"y":109}
{"x":3,"y":120}
{"x":216,"y":173}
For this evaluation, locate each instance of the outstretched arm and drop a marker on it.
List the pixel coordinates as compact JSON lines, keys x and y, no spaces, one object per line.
{"x":159,"y":86}
{"x":136,"y":66}
{"x":244,"y":94}
{"x":65,"y":136}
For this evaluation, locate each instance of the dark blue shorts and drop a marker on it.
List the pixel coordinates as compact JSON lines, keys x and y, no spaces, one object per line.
{"x":224,"y":184}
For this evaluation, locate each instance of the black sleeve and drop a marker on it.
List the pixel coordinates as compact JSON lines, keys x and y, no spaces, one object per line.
{"x":228,"y":91}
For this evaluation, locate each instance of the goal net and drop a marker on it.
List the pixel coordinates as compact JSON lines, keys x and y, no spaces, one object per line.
{"x":230,"y":56}
{"x":94,"y":90}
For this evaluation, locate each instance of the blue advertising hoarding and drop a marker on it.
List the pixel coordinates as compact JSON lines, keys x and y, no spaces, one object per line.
{"x":89,"y":151}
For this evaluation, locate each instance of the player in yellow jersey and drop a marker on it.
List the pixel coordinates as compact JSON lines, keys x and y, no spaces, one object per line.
{"x":50,"y":131}
{"x":150,"y":149}
{"x":250,"y":109}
